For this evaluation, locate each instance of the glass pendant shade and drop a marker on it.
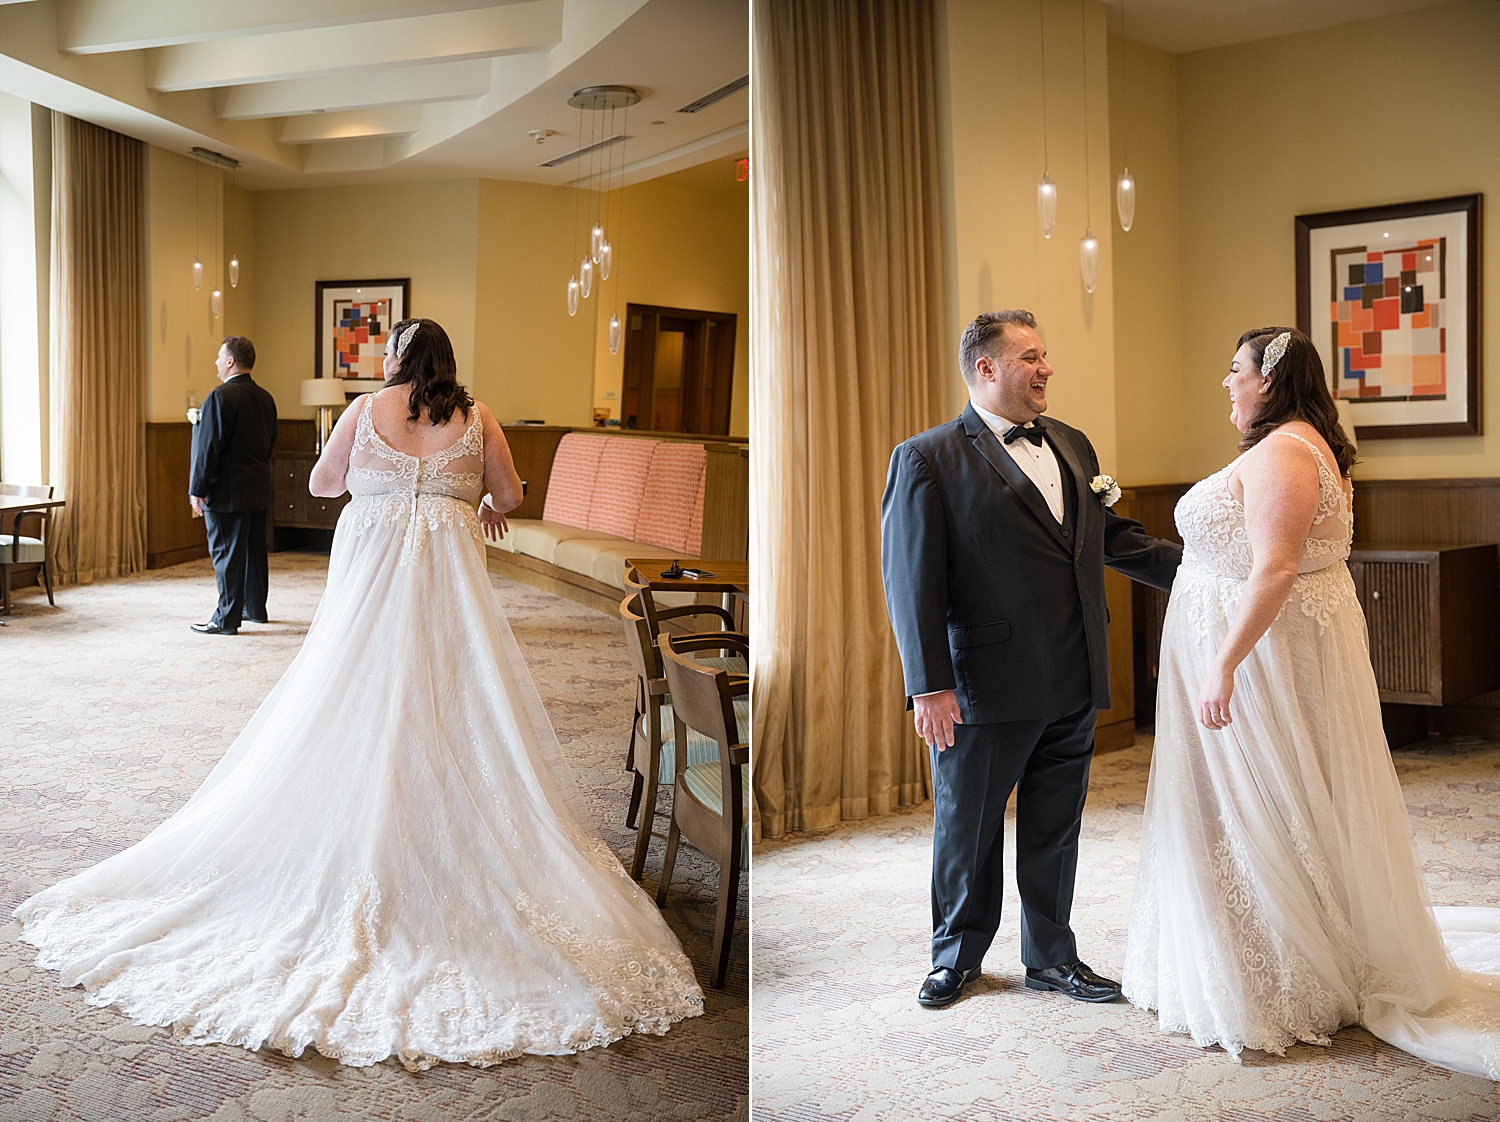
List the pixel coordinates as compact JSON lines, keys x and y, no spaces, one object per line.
{"x":1088,"y":259}
{"x":1125,"y":199}
{"x":234,"y":272}
{"x":197,"y":275}
{"x":586,"y":277}
{"x":606,"y":259}
{"x":1046,"y":204}
{"x":216,"y":301}
{"x":572,"y":296}
{"x":614,"y":334}
{"x":596,"y":242}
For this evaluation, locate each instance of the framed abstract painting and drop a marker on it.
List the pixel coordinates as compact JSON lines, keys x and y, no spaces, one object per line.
{"x":1390,"y":297}
{"x":353,"y":320}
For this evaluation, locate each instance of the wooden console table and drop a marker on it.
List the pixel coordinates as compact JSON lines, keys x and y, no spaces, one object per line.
{"x":291,"y":504}
{"x":1433,"y":613}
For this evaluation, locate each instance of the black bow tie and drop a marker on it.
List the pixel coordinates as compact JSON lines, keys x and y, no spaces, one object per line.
{"x":1021,"y":432}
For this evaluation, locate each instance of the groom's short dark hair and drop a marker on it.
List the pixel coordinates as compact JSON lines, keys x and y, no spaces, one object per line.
{"x":241,"y":350}
{"x":984,"y":336}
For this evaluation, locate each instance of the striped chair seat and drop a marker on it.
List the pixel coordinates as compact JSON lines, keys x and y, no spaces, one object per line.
{"x":25,"y":551}
{"x":706,"y":785}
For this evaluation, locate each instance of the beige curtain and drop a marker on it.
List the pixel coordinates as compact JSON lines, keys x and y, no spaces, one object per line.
{"x":98,"y":373}
{"x":847,"y":306}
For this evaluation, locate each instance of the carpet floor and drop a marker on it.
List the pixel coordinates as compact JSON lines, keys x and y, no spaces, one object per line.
{"x":840,"y":944}
{"x":111,"y":714}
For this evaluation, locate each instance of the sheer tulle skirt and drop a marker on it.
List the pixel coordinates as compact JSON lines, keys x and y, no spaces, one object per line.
{"x":1279,"y":896}
{"x":392,"y":858}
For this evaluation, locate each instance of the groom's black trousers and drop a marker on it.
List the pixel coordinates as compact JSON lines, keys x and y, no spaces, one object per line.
{"x":971,"y":783}
{"x":237,"y":544}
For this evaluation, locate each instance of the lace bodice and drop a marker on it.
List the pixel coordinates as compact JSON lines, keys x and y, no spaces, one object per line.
{"x":375,"y":468}
{"x":418,"y":493}
{"x":1215,"y":539}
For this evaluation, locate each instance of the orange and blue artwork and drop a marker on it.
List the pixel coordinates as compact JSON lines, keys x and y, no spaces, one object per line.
{"x":1388,"y":312}
{"x":359,"y":336}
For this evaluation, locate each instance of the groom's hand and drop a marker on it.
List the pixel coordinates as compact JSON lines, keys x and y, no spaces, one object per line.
{"x":935,"y":715}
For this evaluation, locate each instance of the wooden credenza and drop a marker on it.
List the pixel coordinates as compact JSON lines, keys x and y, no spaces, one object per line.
{"x":1433,"y":613}
{"x":292,"y":507}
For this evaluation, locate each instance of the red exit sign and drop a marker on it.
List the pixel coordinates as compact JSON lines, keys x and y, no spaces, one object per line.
{"x":742,"y":169}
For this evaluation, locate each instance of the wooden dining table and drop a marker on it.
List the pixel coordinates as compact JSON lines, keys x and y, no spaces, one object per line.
{"x":11,"y":505}
{"x":731,"y":578}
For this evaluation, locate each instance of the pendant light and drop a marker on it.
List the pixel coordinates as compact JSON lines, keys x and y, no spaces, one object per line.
{"x":216,"y":297}
{"x":598,"y":253}
{"x":197,"y":226}
{"x":234,"y":258}
{"x":1088,"y":247}
{"x":1046,"y":190}
{"x":1125,"y":184}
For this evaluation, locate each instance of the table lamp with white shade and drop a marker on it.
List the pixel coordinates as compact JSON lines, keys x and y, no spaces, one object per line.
{"x":327,"y":394}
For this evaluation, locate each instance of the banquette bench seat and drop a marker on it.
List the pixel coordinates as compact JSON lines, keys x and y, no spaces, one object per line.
{"x":607,"y":498}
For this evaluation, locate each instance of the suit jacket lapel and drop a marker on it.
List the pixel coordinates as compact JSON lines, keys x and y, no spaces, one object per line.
{"x":1070,"y":462}
{"x":988,"y":445}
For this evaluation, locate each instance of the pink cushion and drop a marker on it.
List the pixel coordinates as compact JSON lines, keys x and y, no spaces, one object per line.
{"x":672,"y":507}
{"x":575,"y":471}
{"x":623,"y":470}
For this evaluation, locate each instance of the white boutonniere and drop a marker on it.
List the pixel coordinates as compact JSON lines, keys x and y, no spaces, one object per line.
{"x":193,"y":414}
{"x":1106,"y":488}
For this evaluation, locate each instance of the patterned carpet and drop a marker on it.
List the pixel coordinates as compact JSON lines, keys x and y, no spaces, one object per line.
{"x":113,"y":712}
{"x":841,"y":943}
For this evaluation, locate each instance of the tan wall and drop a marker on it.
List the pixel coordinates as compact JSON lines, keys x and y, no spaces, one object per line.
{"x":1382,"y":111}
{"x":184,"y":336}
{"x":424,"y":231}
{"x":1147,"y":275}
{"x":683,"y":242}
{"x":532,"y":359}
{"x":994,"y":153}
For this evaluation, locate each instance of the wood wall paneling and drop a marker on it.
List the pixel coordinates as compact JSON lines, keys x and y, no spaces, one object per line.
{"x":726,"y":502}
{"x":173,"y":534}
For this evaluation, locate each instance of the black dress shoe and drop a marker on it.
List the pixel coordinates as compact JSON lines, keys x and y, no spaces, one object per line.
{"x":212,"y":628}
{"x":1074,"y":979}
{"x":943,"y":986}
{"x":252,"y":619}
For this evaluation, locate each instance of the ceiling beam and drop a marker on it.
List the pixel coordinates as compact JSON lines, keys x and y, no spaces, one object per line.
{"x":450,"y":37}
{"x":355,"y":124}
{"x":363,"y":89}
{"x":102,"y":26}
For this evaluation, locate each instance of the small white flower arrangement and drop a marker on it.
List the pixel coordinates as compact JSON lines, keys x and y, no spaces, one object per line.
{"x":193,"y":414}
{"x":1106,"y":488}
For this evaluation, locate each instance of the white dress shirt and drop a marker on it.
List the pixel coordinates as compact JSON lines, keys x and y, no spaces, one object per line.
{"x":1039,"y":463}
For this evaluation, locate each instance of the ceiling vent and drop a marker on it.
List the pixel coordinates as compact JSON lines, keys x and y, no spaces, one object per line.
{"x":716,"y":95}
{"x":586,"y":150}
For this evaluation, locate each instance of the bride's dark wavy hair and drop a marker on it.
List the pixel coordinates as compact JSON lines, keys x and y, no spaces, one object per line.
{"x":1299,"y":392}
{"x":428,"y":366}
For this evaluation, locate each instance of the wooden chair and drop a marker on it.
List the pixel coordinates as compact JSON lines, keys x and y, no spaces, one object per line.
{"x":652,"y":708}
{"x":708,"y":800}
{"x":17,"y":549}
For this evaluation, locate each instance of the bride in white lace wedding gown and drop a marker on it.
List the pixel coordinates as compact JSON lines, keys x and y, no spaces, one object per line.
{"x":1279,"y":896}
{"x":392,"y":859}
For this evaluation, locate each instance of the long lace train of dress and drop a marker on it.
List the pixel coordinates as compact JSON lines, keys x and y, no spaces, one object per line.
{"x":392,"y":858}
{"x":1279,"y":897}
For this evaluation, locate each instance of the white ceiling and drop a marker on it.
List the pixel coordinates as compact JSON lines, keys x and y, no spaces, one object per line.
{"x":1177,"y":26}
{"x":314,"y":92}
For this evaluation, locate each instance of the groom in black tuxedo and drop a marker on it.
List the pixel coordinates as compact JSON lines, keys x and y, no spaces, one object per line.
{"x":993,"y":550}
{"x":230,"y":486}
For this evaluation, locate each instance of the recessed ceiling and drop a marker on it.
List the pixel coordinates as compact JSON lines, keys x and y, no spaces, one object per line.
{"x":1178,"y":26}
{"x":314,"y":92}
